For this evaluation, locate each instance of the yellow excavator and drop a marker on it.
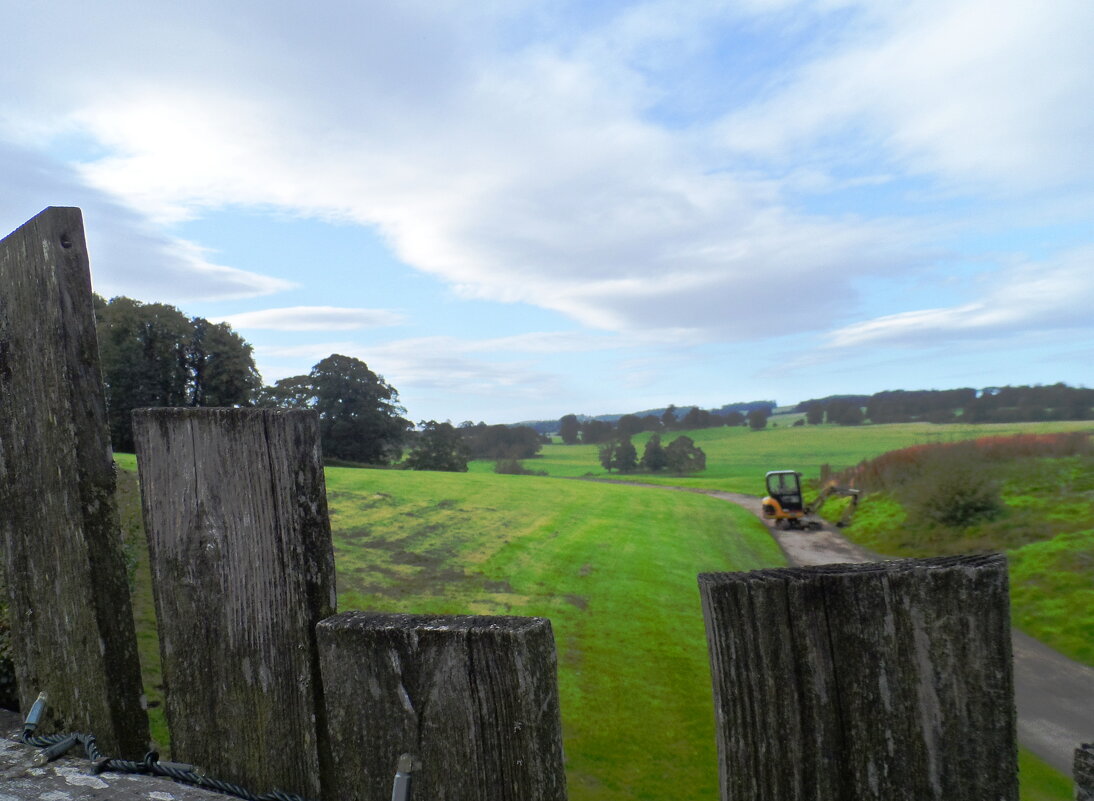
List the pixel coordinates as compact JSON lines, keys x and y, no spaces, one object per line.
{"x":786,"y":506}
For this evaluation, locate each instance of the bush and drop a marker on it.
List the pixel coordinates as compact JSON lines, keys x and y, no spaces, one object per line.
{"x":953,"y":488}
{"x":514,"y":467}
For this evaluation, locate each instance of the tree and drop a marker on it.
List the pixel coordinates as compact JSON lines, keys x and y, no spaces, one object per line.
{"x":626,"y":457}
{"x":734,"y":419}
{"x":628,"y":425}
{"x":596,"y":431}
{"x":757,"y":419}
{"x":501,"y":441}
{"x":668,"y":418}
{"x":222,"y":367}
{"x":814,"y":414}
{"x":438,"y":446}
{"x":845,"y":413}
{"x":684,"y":456}
{"x":606,"y":453}
{"x":360,"y":418}
{"x":153,"y":355}
{"x":653,"y":457}
{"x":568,"y":429}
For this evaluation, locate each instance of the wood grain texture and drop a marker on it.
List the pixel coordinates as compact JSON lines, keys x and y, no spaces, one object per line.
{"x":890,"y":680}
{"x":72,"y":625}
{"x":1084,"y":772}
{"x":243,"y":569}
{"x":475,"y":699}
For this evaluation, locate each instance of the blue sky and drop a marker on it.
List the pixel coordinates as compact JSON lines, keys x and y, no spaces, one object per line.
{"x":519,"y":210}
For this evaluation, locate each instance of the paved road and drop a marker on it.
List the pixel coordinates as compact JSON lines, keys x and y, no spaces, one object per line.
{"x":1054,"y":695}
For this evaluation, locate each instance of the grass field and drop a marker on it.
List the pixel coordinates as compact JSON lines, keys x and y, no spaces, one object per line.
{"x":737,"y":458}
{"x":613,"y":567}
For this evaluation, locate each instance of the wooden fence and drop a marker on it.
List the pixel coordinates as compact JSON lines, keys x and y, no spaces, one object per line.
{"x":886,"y":681}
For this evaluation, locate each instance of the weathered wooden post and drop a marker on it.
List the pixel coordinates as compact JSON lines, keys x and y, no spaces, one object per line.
{"x":71,"y":622}
{"x":243,"y":569}
{"x":1084,"y":772}
{"x":888,"y":680}
{"x":473,"y":699}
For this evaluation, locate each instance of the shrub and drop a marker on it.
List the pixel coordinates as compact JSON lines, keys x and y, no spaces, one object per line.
{"x":953,"y":488}
{"x":514,"y":467}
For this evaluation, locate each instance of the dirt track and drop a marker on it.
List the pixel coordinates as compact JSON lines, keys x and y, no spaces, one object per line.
{"x":1053,"y":694}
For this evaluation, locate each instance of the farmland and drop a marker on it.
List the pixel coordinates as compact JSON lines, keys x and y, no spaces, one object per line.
{"x":613,"y":567}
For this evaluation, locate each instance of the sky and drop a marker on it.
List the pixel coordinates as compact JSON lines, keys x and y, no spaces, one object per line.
{"x":518,"y":210}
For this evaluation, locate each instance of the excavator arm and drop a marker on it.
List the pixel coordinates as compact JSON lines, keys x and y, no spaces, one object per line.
{"x":832,"y":490}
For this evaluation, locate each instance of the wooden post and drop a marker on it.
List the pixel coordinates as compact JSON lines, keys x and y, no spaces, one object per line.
{"x":888,"y":680}
{"x":242,"y":569}
{"x":71,"y":620}
{"x":1084,"y":772}
{"x":473,"y":699}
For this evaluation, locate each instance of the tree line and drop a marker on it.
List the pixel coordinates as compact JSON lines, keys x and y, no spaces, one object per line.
{"x":594,"y":431}
{"x":153,"y":355}
{"x":681,"y":455}
{"x":966,"y":405}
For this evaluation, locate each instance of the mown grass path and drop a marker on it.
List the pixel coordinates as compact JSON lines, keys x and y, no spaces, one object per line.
{"x":614,"y":567}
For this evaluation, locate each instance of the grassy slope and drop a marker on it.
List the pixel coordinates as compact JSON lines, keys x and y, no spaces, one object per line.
{"x":614,"y":569}
{"x":1047,"y":531}
{"x":604,"y":563}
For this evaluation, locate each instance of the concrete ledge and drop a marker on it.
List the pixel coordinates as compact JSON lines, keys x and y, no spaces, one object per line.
{"x":70,"y":779}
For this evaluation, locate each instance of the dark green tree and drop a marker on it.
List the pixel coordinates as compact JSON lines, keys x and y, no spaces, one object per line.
{"x":757,"y":419}
{"x":684,"y":456}
{"x":668,"y":418}
{"x":360,"y":419}
{"x":594,"y":432}
{"x":606,"y":454}
{"x":438,"y":446}
{"x":222,"y":368}
{"x":153,"y":355}
{"x":814,"y":414}
{"x":653,"y":456}
{"x":568,"y":429}
{"x":143,"y":349}
{"x":626,"y":457}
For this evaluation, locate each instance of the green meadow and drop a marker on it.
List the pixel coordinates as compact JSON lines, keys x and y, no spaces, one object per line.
{"x":614,"y":569}
{"x":738,"y":457}
{"x":613,"y":566}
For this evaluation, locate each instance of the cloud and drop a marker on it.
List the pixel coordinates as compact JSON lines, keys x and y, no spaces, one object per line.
{"x":530,"y":174}
{"x":1041,"y":297}
{"x":424,"y":366}
{"x":533,"y":166}
{"x":314,"y":318}
{"x":971,"y":91}
{"x":129,"y":255}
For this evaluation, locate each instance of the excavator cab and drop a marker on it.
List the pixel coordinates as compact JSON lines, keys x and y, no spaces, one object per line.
{"x":784,"y":503}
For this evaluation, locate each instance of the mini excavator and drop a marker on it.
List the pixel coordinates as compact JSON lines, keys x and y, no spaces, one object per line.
{"x":786,"y":506}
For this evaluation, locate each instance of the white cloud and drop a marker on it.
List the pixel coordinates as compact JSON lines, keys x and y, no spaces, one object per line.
{"x":534,"y":170}
{"x":128,"y":255}
{"x":314,"y":318}
{"x":976,"y":90}
{"x":531,"y":175}
{"x":1030,"y":297}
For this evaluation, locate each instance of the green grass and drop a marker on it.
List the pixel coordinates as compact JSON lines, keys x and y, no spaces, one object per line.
{"x":614,"y":569}
{"x":1047,"y":531}
{"x":738,"y":457}
{"x":1039,"y":781}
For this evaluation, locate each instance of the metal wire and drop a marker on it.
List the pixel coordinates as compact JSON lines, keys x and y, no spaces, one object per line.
{"x":55,"y":746}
